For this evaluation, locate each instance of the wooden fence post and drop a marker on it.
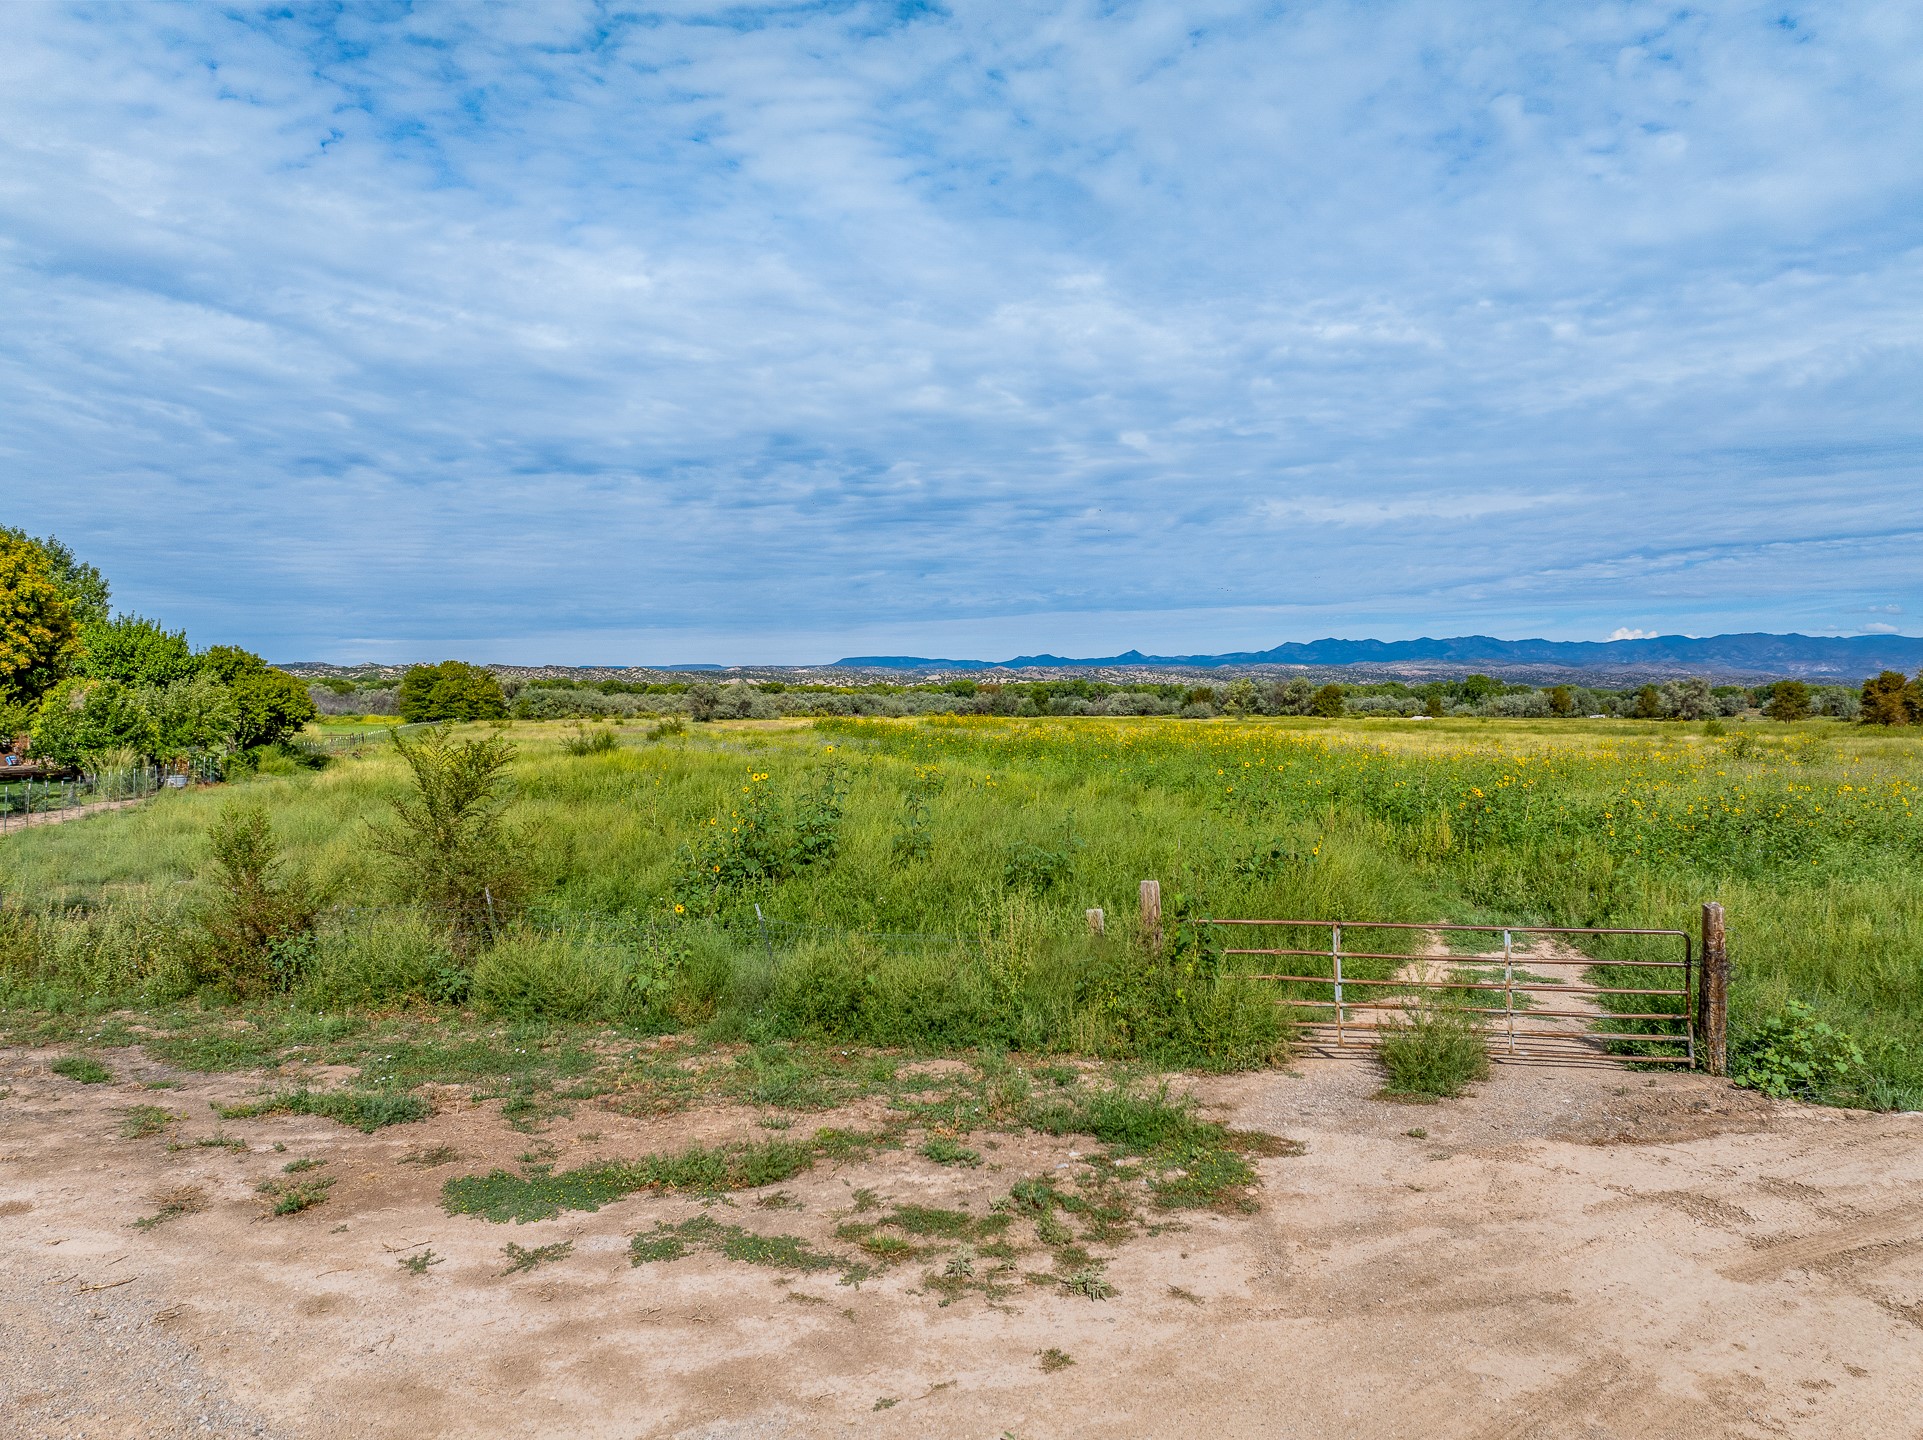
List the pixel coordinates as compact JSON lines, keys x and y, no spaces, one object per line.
{"x":1712,"y":1007}
{"x":1097,"y":922}
{"x":1152,"y":916}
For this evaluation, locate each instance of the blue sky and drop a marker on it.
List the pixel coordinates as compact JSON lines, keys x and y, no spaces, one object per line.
{"x":573,"y":333}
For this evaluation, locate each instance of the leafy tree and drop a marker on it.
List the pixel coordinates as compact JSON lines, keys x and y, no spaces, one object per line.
{"x":82,"y":586}
{"x":1688,"y":699}
{"x":1328,"y":701}
{"x":1788,"y":700}
{"x":446,"y":841}
{"x":134,"y":651}
{"x":1562,"y":700}
{"x":1478,"y":688}
{"x":1241,"y":697}
{"x":270,"y":705}
{"x":190,"y":717}
{"x":37,"y":631}
{"x":1890,"y":699}
{"x":80,"y":718}
{"x":1648,"y":703}
{"x":452,"y":690}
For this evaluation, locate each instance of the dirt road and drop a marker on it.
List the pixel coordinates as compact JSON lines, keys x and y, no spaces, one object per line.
{"x":1567,"y":1252}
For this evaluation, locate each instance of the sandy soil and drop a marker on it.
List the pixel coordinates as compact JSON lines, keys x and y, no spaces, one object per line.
{"x":1570,"y":1251}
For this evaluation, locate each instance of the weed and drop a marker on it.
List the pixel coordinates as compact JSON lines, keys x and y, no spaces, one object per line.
{"x":1187,"y":1297}
{"x":221,"y":1142}
{"x":1417,"y":1134}
{"x":538,"y":1195}
{"x":887,"y":1402}
{"x":290,"y":1197}
{"x":703,"y":1232}
{"x":1089,"y":1283}
{"x":1796,"y":1054}
{"x":520,"y":1258}
{"x":418,"y":1264}
{"x":171,"y":1203}
{"x":1435,"y":1051}
{"x":139,"y":1121}
{"x":945,"y":1151}
{"x":585,"y":740}
{"x":365,"y":1110}
{"x":84,"y":1068}
{"x":295,"y":1167}
{"x":780,"y":1200}
{"x":1053,"y":1360}
{"x":663,"y":729}
{"x":257,"y":913}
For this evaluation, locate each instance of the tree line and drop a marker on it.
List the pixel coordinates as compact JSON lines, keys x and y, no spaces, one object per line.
{"x":90,"y":687}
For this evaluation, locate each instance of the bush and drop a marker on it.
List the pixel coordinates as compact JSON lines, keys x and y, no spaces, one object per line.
{"x":525,"y":976}
{"x":1434,"y":1052}
{"x":270,"y":705}
{"x":585,"y":741}
{"x":452,"y":690}
{"x":1328,"y":702}
{"x":1788,"y":700}
{"x":81,"y":718}
{"x":446,"y":843}
{"x":135,"y":651}
{"x":1794,"y":1055}
{"x":389,"y":957}
{"x":1889,"y":699}
{"x":255,"y":913}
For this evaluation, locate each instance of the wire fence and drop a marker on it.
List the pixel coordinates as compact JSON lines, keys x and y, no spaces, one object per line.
{"x":33,"y":800}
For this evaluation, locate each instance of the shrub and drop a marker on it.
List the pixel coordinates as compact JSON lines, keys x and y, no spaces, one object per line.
{"x":255,"y":912}
{"x":596,"y":741}
{"x":80,"y":718}
{"x":270,"y":705}
{"x":446,"y":842}
{"x":388,"y":957}
{"x":452,"y":690}
{"x":1435,"y":1051}
{"x":189,"y":717}
{"x":1328,"y":702}
{"x":526,"y":977}
{"x":1795,"y":1055}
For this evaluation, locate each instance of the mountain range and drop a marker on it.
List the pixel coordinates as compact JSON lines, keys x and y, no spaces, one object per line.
{"x":1843,"y":657}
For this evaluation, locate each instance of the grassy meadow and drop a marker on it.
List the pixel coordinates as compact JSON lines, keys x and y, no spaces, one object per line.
{"x":922,"y":882}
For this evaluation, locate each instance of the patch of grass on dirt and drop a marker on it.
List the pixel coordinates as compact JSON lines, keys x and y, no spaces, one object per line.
{"x":171,"y":1202}
{"x":290,"y":1197}
{"x":1053,"y":1360}
{"x":1432,"y":1054}
{"x":137,"y":1122}
{"x":537,"y":1194}
{"x":704,"y":1232}
{"x":366,"y":1110}
{"x":418,"y":1264}
{"x":946,"y":1151}
{"x":295,"y":1167}
{"x":520,"y":1258}
{"x":84,"y":1068}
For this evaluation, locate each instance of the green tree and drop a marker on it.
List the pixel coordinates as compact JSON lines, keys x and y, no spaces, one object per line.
{"x":37,"y":631}
{"x":190,"y":717}
{"x":452,"y":690}
{"x":1648,"y":704}
{"x":82,"y":586}
{"x":1890,"y":699}
{"x":270,"y":705}
{"x":1478,"y":688}
{"x":134,"y":651}
{"x":81,"y":718}
{"x":1328,"y":701}
{"x":1562,"y":700}
{"x":1788,"y":700}
{"x":446,"y":841}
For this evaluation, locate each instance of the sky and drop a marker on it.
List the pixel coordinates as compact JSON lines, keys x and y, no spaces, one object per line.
{"x":574,"y":333}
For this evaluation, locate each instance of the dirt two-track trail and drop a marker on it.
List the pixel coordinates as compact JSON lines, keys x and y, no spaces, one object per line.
{"x":1570,"y":1251}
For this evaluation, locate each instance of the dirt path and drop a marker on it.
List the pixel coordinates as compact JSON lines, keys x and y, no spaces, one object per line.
{"x":1567,"y":1252}
{"x":62,"y":815}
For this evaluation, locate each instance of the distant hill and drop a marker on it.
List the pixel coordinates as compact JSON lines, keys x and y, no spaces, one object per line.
{"x":1841,"y":657}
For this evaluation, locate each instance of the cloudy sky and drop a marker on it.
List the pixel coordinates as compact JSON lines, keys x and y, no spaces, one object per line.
{"x":569,"y":332}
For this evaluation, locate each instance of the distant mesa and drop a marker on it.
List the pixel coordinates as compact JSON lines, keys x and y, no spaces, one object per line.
{"x":1755,"y":654}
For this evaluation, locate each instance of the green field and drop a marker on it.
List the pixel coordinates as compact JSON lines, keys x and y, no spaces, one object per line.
{"x":925,"y":880}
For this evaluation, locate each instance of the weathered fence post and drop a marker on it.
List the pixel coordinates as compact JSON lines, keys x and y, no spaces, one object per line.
{"x":1097,"y":922}
{"x":1152,"y":915}
{"x":1712,"y":1008}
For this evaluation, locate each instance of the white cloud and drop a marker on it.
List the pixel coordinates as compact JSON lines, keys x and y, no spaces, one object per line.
{"x":540,"y":330}
{"x":1623,"y":632}
{"x":1881,"y":627}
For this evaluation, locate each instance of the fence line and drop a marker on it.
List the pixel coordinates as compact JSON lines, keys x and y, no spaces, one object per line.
{"x":24,"y":802}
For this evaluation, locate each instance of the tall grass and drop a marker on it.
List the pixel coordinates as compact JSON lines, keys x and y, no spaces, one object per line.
{"x":1810,"y":835}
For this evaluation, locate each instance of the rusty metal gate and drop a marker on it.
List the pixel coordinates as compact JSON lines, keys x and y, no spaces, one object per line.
{"x":1518,"y":985}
